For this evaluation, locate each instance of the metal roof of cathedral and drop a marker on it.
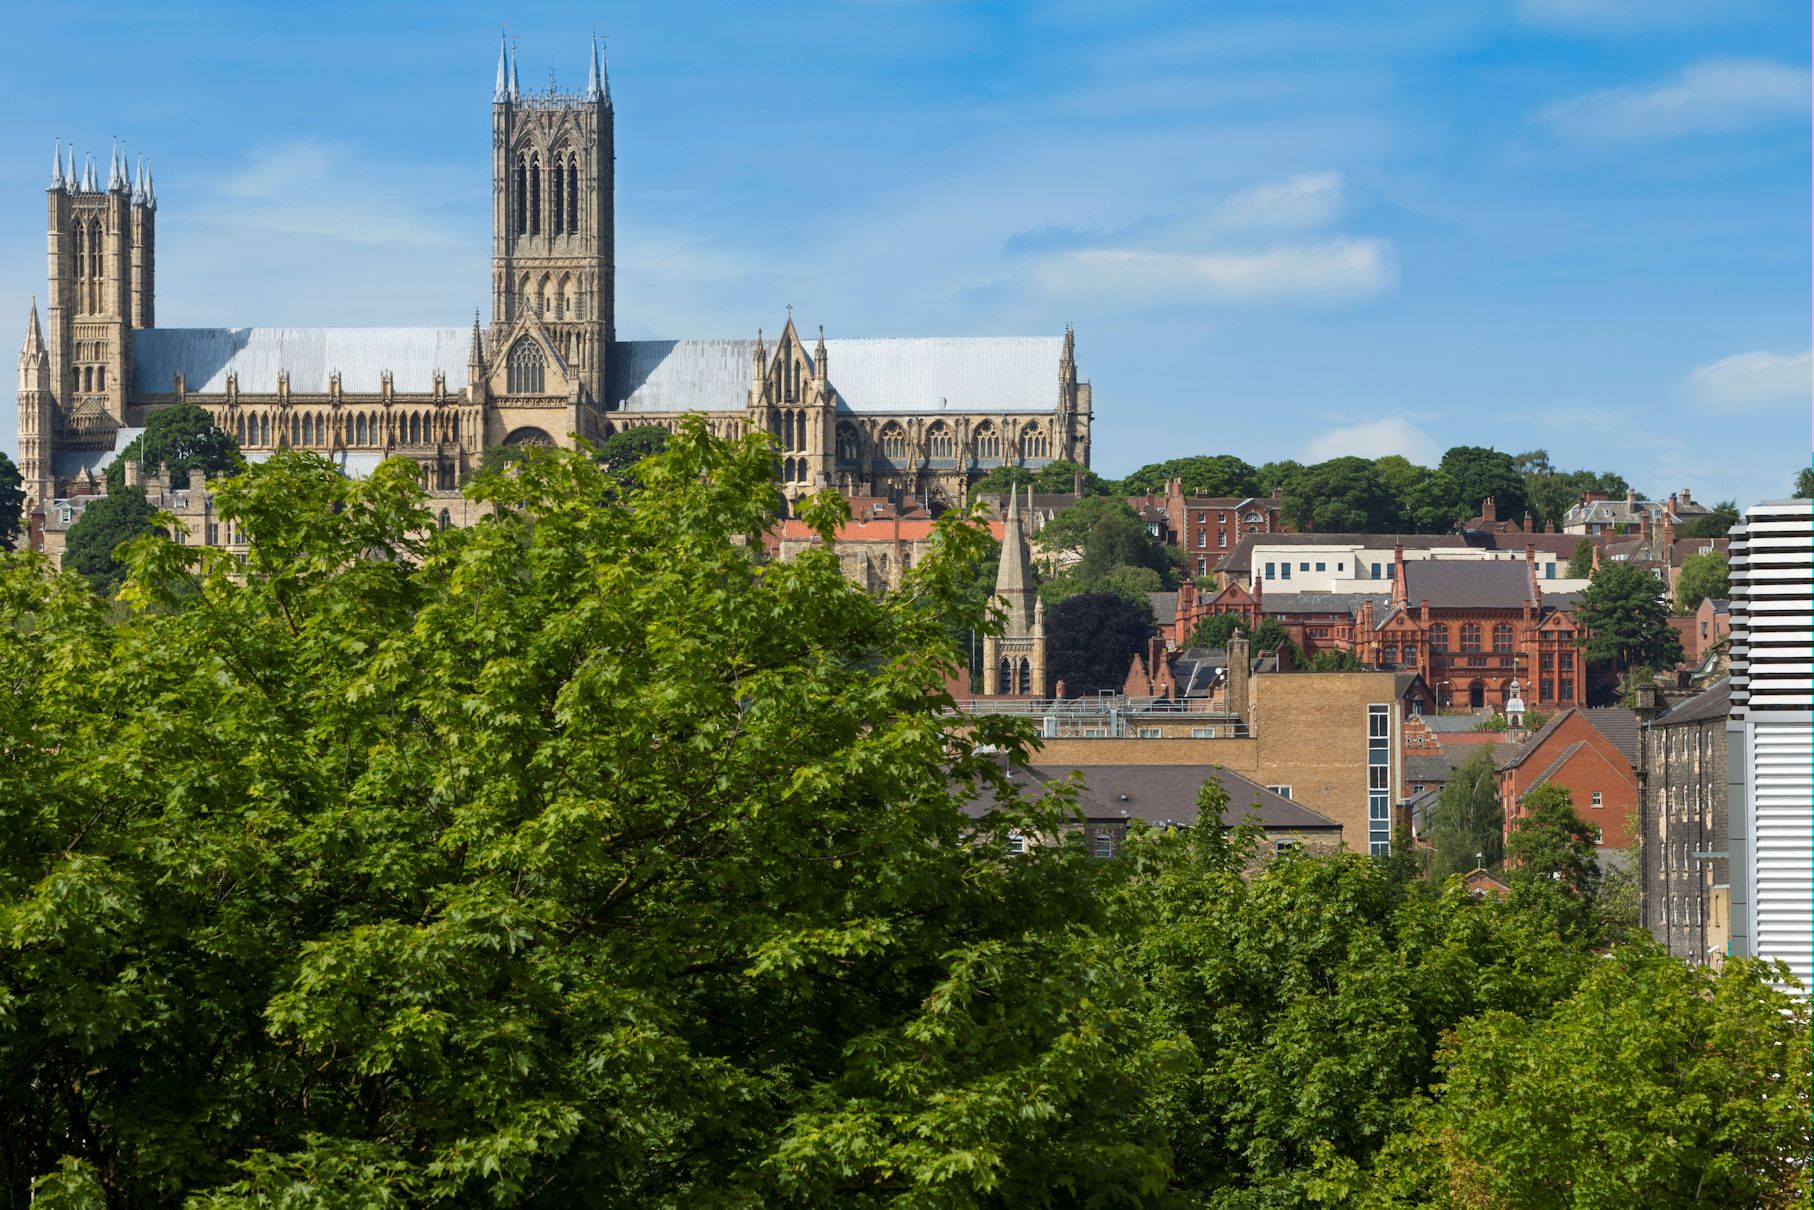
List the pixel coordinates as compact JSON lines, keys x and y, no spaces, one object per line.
{"x":361,"y":356}
{"x":912,"y":374}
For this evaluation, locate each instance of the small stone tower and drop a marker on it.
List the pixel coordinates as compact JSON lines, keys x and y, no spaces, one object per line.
{"x":553,"y":227}
{"x":102,"y":238}
{"x":36,"y":410}
{"x":1014,"y":662}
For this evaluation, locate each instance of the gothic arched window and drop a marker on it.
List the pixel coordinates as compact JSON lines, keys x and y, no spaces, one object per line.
{"x":522,"y":195}
{"x":560,"y":196}
{"x":527,"y":368}
{"x":535,"y":195}
{"x":264,"y":429}
{"x":359,"y":433}
{"x":1033,"y":443}
{"x":894,"y":443}
{"x":415,"y":428}
{"x":1439,"y":639}
{"x":572,"y":194}
{"x":940,"y":443}
{"x":1502,"y":638}
{"x":988,"y":442}
{"x":1470,"y":637}
{"x":850,"y":446}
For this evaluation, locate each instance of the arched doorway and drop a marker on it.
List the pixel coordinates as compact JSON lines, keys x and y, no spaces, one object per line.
{"x":1476,"y":694}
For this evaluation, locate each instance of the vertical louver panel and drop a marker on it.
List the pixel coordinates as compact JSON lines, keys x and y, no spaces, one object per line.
{"x":1782,"y":772}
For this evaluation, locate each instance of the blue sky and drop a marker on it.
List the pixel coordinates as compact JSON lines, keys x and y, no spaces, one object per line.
{"x":1282,"y":230}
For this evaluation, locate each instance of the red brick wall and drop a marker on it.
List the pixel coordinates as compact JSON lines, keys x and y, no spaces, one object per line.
{"x":1597,"y":766}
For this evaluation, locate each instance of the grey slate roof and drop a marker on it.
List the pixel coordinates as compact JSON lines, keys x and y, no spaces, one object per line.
{"x":1713,"y":702}
{"x":1197,"y":669}
{"x":74,"y":462}
{"x":1617,"y":724}
{"x":1441,"y":723}
{"x":1168,"y":794}
{"x":1428,"y":768}
{"x":1470,"y":584}
{"x":1321,"y":602}
{"x":207,"y":355}
{"x":916,"y":374}
{"x":1165,"y":607}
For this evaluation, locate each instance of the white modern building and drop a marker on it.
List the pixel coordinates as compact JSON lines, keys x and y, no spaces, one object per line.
{"x":1770,"y":735}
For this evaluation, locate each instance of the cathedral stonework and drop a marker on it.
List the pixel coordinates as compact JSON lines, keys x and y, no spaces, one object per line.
{"x":894,"y":418}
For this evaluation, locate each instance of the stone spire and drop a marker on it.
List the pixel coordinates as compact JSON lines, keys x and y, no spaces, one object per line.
{"x":88,"y":181}
{"x":150,"y":187}
{"x":604,"y":76}
{"x":821,"y":362}
{"x":34,"y":337}
{"x":593,"y":91}
{"x":138,"y":182}
{"x":1014,"y":576}
{"x":475,"y":356}
{"x":515,"y":93}
{"x":56,"y":172}
{"x":70,"y":181}
{"x":116,"y":174}
{"x":502,"y":91}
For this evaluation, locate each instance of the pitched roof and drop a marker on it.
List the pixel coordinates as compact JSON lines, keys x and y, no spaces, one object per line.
{"x":360,"y":355}
{"x":1713,"y":702}
{"x":915,"y":374}
{"x":1165,"y":607}
{"x":1321,"y":602}
{"x":1468,"y":584}
{"x":1617,"y":724}
{"x":1168,"y":794}
{"x":1551,"y":769}
{"x":1196,"y":670}
{"x":1542,"y":733}
{"x":1428,"y":768}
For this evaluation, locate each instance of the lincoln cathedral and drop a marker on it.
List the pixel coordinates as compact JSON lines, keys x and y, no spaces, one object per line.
{"x":892,"y":417}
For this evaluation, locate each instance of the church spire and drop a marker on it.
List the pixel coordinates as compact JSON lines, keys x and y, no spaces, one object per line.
{"x":515,"y":93}
{"x":34,"y":335}
{"x":56,"y":175}
{"x":593,"y":91}
{"x":150,"y":187}
{"x":1014,"y":576}
{"x":502,"y":91}
{"x":70,"y":181}
{"x":821,"y":370}
{"x":88,"y":179}
{"x":475,"y":356}
{"x":116,"y":176}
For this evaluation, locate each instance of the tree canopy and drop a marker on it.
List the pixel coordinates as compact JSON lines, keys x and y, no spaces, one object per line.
{"x":1581,"y":560}
{"x":1712,"y":524}
{"x":621,"y":451}
{"x":177,"y":440}
{"x":1202,"y":475}
{"x":12,"y":504}
{"x":1467,"y":827}
{"x":1341,"y":496}
{"x":1216,"y":629}
{"x":1702,"y":576}
{"x":1091,"y":641}
{"x":1804,"y":483}
{"x":574,"y":858}
{"x":1627,"y":621}
{"x":91,"y":548}
{"x":1112,"y":549}
{"x":1480,"y":472}
{"x":1550,"y":493}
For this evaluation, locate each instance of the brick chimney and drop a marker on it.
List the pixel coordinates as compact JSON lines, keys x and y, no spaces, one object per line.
{"x":1489,"y":512}
{"x":1398,"y":573}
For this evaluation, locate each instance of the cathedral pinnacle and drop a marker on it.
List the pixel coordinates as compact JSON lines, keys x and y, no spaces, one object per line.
{"x":515,"y":94}
{"x":70,"y":181}
{"x":150,"y":187}
{"x":598,"y":84}
{"x":115,"y":178}
{"x":88,"y":181}
{"x":34,"y":335}
{"x":56,"y":173}
{"x":502,"y":91}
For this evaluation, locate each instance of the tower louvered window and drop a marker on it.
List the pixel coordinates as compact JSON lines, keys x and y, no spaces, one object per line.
{"x":560,"y":196}
{"x":527,"y":368}
{"x":572,"y":194}
{"x":535,"y":196}
{"x":522,"y":196}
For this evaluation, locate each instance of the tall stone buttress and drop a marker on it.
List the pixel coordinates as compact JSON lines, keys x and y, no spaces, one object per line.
{"x":1014,"y":662}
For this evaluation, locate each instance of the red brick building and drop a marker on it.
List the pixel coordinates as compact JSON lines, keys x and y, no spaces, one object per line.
{"x":1593,"y":754}
{"x":1207,"y":527}
{"x":1472,"y":628}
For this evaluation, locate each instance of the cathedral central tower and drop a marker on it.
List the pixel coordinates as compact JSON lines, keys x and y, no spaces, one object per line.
{"x":552,"y":228}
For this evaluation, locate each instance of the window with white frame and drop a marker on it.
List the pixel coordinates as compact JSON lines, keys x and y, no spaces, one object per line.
{"x":1379,"y":780}
{"x":1281,"y":791}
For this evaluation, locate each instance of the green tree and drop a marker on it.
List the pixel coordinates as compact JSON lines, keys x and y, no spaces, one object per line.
{"x":1709,"y":1072}
{"x":1480,"y":472}
{"x":92,"y":547}
{"x":1581,"y":560}
{"x":1713,"y":524}
{"x":575,"y":858}
{"x":621,"y":451}
{"x":1804,"y":483}
{"x":1550,"y":493}
{"x":1275,"y":475}
{"x":1216,"y":629}
{"x":1314,"y":992}
{"x":1272,"y":636}
{"x":1702,"y":576}
{"x":1335,"y":661}
{"x":1341,"y":496}
{"x":1626,"y":619}
{"x":1091,"y":641}
{"x":12,"y":504}
{"x":1551,"y":844}
{"x":1057,"y":478}
{"x":1069,"y":530}
{"x":1428,"y":502}
{"x":1467,"y":828}
{"x":178,"y":439}
{"x":999,"y":480}
{"x":1202,"y":475}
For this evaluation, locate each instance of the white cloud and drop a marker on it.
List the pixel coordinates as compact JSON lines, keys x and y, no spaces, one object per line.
{"x":1336,"y":270}
{"x":1375,"y":439}
{"x":1711,"y":97}
{"x":1752,"y":380}
{"x":1219,"y":252}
